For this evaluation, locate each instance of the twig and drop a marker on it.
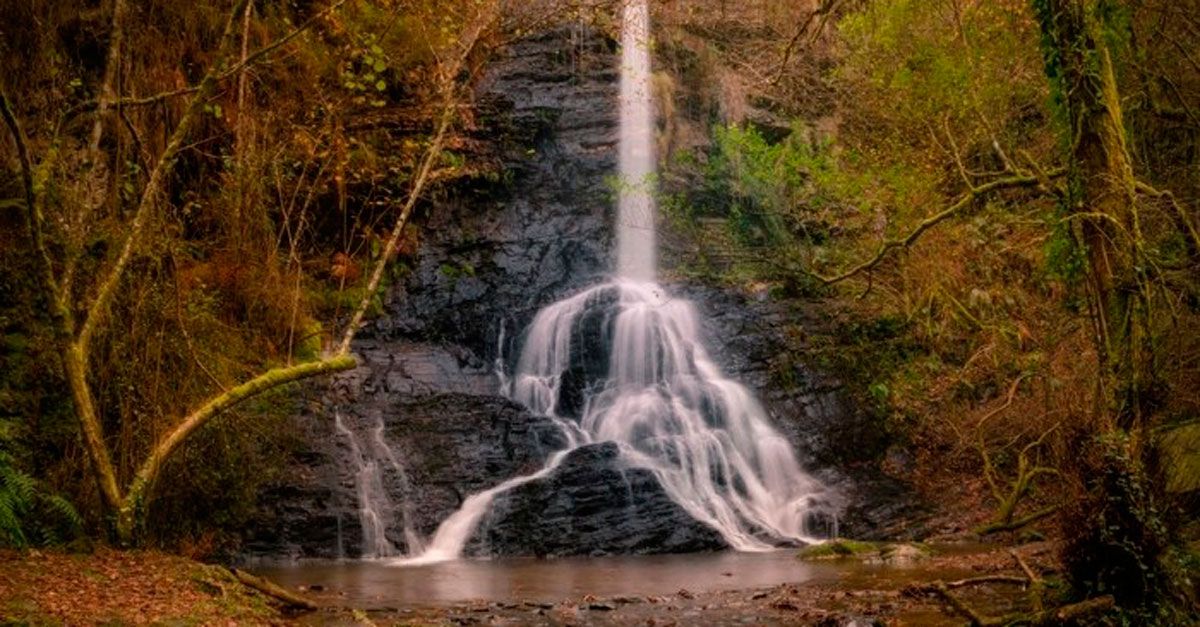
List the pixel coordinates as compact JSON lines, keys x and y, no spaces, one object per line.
{"x":1182,"y":219}
{"x":1035,"y":582}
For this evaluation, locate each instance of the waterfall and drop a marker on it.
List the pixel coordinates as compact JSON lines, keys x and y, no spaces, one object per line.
{"x":648,"y":382}
{"x":635,"y":216}
{"x":669,"y":407}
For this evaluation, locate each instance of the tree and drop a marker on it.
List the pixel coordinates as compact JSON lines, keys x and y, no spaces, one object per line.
{"x":1101,"y":201}
{"x":1123,"y":544}
{"x":77,"y":324}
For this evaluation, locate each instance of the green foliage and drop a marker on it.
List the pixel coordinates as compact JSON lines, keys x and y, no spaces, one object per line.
{"x":839,"y":549}
{"x":768,"y":191}
{"x":366,"y":73}
{"x":933,"y":68}
{"x":1180,"y":453}
{"x":30,"y":515}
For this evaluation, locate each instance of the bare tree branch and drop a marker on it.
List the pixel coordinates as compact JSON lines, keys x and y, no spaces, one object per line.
{"x":34,"y":220}
{"x":450,"y":88}
{"x":166,"y":162}
{"x":953,"y":210}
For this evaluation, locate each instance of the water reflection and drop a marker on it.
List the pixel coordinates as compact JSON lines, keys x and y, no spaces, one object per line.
{"x":368,"y":584}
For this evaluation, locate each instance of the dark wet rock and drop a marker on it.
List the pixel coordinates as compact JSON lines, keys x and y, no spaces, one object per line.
{"x":491,"y":257}
{"x":455,"y":446}
{"x":592,"y":504}
{"x":492,"y":253}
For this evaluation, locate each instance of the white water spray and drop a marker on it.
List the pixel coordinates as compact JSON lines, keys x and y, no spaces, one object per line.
{"x":671,"y":410}
{"x":662,"y":399}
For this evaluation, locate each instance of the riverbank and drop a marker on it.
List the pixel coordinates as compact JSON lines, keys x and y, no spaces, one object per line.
{"x":113,"y":587}
{"x":145,"y":587}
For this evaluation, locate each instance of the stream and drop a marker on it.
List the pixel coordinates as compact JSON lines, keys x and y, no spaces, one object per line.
{"x":377,"y":584}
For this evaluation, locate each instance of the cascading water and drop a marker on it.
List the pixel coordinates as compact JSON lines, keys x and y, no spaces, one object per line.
{"x":375,"y":507}
{"x":671,"y":410}
{"x":624,"y":362}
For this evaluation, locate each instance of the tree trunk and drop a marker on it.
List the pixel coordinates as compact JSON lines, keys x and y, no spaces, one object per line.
{"x":1119,"y":506}
{"x":1100,"y":202}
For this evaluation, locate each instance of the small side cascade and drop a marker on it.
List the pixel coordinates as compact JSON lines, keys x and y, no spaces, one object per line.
{"x":369,"y":459}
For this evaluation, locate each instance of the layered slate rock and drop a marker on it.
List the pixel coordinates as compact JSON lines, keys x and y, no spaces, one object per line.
{"x":493,"y":253}
{"x":762,"y":342}
{"x":591,"y":504}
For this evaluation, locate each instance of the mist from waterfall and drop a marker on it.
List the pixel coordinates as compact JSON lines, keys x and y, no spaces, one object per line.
{"x":656,"y":392}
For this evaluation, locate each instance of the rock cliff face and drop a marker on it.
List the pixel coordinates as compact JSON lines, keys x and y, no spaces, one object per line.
{"x":422,"y":412}
{"x":494,"y":255}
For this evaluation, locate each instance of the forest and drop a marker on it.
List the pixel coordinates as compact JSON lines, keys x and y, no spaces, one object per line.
{"x":299,"y":293}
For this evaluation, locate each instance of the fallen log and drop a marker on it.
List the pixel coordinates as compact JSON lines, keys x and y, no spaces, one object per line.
{"x":283,"y":595}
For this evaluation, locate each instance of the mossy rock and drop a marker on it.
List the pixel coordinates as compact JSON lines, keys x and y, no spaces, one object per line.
{"x":839,"y":549}
{"x":906,"y":553}
{"x":1180,"y":450}
{"x":875,"y":552}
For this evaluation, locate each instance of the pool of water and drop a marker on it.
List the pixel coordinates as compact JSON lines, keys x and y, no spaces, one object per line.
{"x":376,"y":583}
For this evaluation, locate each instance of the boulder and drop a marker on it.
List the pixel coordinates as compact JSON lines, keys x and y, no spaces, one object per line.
{"x":592,"y":504}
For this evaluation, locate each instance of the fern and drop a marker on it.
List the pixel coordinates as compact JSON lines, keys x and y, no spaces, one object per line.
{"x":63,"y":523}
{"x":30,"y":514}
{"x":10,"y":522}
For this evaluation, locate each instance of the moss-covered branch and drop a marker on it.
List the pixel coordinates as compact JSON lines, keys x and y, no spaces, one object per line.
{"x":144,"y":481}
{"x":888,"y":245}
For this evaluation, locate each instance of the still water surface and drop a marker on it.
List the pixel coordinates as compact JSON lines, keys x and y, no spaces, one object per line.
{"x":375,"y":583}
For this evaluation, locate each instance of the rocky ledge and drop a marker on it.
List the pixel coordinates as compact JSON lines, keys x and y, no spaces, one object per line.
{"x":592,"y":504}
